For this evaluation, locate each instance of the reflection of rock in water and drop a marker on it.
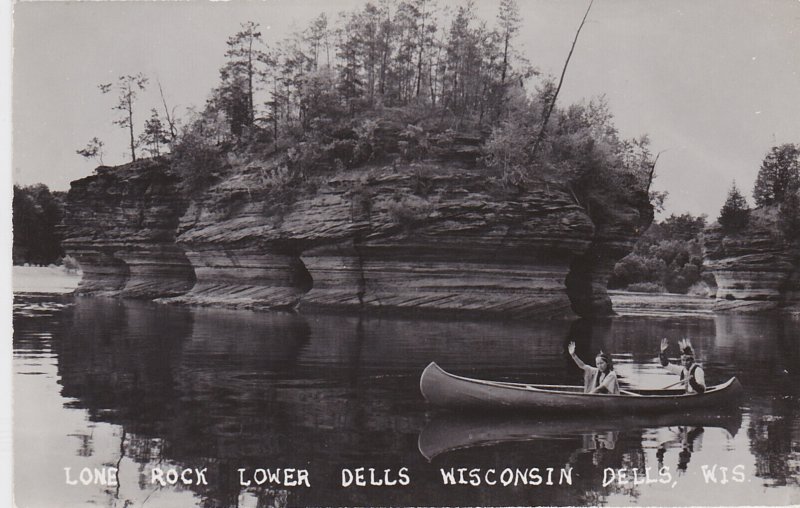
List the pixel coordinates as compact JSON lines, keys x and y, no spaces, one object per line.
{"x":773,"y":441}
{"x":769,"y":345}
{"x":193,"y":387}
{"x":120,"y":357}
{"x":229,"y":389}
{"x":771,"y":351}
{"x":147,"y":363}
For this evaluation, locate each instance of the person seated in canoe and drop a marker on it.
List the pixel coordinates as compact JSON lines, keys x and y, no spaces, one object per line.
{"x":692,"y":375}
{"x":600,"y":379}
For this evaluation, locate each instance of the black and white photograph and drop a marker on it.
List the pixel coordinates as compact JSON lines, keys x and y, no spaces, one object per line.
{"x":377,"y":253}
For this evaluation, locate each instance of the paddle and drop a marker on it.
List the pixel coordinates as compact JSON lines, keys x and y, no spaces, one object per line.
{"x":682,"y":381}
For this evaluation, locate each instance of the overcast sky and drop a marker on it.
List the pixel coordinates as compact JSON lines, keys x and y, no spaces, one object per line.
{"x":715,"y":84}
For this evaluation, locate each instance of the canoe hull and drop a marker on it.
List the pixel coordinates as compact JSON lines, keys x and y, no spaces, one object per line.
{"x":446,"y":390}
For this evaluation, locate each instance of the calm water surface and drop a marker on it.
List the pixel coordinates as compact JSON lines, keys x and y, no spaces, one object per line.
{"x":138,"y":386}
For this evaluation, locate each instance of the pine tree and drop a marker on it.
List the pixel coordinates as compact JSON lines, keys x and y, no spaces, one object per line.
{"x":462,"y":60}
{"x":154,"y":136}
{"x":93,"y":149}
{"x":779,"y":176}
{"x":128,"y":87}
{"x":426,"y":31}
{"x":350,"y":41}
{"x":317,"y":39}
{"x":238,"y":76}
{"x":735,"y":213}
{"x":509,"y":19}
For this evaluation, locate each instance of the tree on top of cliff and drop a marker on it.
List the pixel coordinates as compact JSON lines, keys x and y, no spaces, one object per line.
{"x":155,"y":135}
{"x":321,"y":84}
{"x":735,"y":213}
{"x":779,"y":176}
{"x":339,"y":95}
{"x":197,"y":156}
{"x":582,"y":148}
{"x":789,"y":217}
{"x":509,"y":20}
{"x":93,"y":149}
{"x":127,"y":87}
{"x":387,"y":55}
{"x":236,"y":93}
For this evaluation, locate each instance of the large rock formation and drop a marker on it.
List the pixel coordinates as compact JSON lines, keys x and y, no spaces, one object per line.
{"x":755,"y":269}
{"x":435,"y":236}
{"x":619,"y":220}
{"x":120,"y":225}
{"x":374,"y":238}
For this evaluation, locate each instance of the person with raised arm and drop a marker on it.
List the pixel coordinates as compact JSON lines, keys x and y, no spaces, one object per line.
{"x":600,"y":379}
{"x":691,"y":373}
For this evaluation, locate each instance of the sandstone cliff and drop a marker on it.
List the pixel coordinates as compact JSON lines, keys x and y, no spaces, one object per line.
{"x":755,"y":270}
{"x":120,"y":225}
{"x":619,"y":220}
{"x":433,"y":236}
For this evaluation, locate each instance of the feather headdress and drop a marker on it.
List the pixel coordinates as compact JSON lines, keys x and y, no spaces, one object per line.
{"x":685,"y":346}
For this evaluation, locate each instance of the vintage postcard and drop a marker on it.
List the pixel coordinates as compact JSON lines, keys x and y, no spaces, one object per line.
{"x":406,"y":253}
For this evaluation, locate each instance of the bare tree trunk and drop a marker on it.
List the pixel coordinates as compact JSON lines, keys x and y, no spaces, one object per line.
{"x":652,"y":173}
{"x":327,"y":50}
{"x":275,"y":112}
{"x":173,"y":130}
{"x":419,"y":56}
{"x":250,"y":109}
{"x":505,"y":59}
{"x":552,"y":104}
{"x":130,"y":128}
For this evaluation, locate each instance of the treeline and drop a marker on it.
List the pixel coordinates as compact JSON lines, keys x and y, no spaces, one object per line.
{"x":776,"y":193}
{"x":390,"y":54}
{"x":37,"y":212}
{"x":668,"y":258}
{"x":323,"y":94}
{"x":322,"y":98}
{"x":386,"y":55}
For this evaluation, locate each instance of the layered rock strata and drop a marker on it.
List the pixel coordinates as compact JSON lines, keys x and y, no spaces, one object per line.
{"x":120,"y":225}
{"x":379,"y":239}
{"x":433,"y":237}
{"x":456,"y":248}
{"x":619,"y":220}
{"x":754,"y":269}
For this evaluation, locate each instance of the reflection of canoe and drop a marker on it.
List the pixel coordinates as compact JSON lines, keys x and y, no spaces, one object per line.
{"x":448,"y":432}
{"x":449,"y":391}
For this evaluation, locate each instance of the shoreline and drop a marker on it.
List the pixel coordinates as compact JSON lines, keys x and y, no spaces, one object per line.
{"x":43,"y":279}
{"x":628,"y":303}
{"x":55,"y":279}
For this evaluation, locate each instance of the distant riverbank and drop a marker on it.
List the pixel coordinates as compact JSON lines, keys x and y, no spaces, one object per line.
{"x":660,"y":304}
{"x":43,"y":279}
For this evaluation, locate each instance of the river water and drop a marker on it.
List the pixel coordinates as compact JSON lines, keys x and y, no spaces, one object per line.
{"x":145,"y":388}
